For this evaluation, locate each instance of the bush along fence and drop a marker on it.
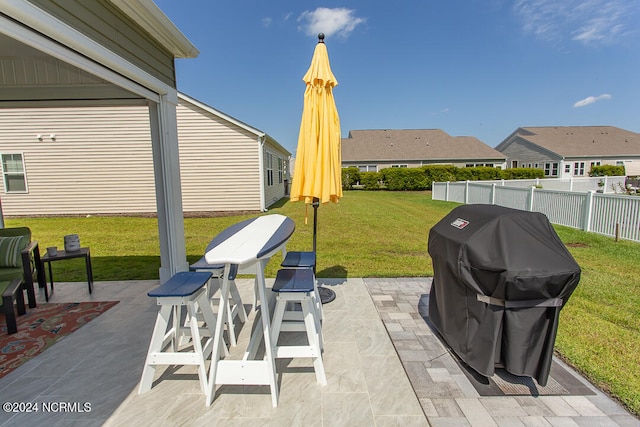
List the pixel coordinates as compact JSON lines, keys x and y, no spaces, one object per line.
{"x":609,"y":214}
{"x":601,"y":178}
{"x":422,"y":178}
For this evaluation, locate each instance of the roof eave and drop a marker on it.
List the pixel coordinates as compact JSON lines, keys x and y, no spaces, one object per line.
{"x":149,"y":16}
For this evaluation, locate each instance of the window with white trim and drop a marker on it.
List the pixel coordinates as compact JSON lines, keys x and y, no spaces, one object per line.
{"x":368,"y":168}
{"x":578,"y":168}
{"x":280,"y":170}
{"x":13,"y":172}
{"x":399,"y":166}
{"x":551,"y":169}
{"x":269,"y":168}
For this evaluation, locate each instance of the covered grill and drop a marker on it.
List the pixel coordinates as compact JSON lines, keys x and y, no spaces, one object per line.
{"x":501,"y":277}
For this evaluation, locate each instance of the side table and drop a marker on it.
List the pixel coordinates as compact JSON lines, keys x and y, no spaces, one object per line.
{"x":81,"y":253}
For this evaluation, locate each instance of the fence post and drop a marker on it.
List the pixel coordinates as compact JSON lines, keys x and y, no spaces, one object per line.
{"x":588,"y":211}
{"x":606,"y":185}
{"x":466,"y":192}
{"x":530,"y":201}
{"x":493,"y":193}
{"x":446,"y":192}
{"x":571,"y":183}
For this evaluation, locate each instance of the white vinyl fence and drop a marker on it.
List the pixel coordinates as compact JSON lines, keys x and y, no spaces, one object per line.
{"x":610,"y":214}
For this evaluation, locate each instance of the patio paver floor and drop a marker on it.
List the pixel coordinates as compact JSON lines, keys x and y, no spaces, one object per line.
{"x":384,"y":367}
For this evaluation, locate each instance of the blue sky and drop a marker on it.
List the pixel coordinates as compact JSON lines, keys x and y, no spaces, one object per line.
{"x":469,"y":67}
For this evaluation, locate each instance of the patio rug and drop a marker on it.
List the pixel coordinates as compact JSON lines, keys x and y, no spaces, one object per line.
{"x":503,"y":383}
{"x":42,"y":327}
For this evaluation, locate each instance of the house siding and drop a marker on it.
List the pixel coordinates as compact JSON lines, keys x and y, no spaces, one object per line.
{"x":218,"y":163}
{"x":100,"y":161}
{"x":525,"y":153}
{"x":106,"y":24}
{"x":275,"y":191}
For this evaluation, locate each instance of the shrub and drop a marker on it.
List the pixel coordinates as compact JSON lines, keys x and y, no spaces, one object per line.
{"x":522,"y":173}
{"x":486,"y":173}
{"x":439,"y":173}
{"x":422,"y":178}
{"x":370,"y":180}
{"x":404,"y":179}
{"x":607,"y":170}
{"x":350,"y":176}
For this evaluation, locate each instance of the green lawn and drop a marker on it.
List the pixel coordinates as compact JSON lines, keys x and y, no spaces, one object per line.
{"x":384,"y":234}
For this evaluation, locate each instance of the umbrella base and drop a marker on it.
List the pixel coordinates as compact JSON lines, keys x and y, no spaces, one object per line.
{"x":326,"y":295}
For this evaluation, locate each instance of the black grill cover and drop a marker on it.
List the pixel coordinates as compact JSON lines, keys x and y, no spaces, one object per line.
{"x":501,"y":277}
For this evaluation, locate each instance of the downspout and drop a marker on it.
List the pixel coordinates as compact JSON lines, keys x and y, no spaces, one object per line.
{"x":261,"y":141}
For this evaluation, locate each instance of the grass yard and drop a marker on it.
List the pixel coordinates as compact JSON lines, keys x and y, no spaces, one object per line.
{"x":384,"y":234}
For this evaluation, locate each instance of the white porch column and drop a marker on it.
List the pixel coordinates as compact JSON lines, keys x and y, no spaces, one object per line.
{"x":164,"y":142}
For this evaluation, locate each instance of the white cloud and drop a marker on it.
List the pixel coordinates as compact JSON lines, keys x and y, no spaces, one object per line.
{"x":590,"y":22}
{"x":339,"y":21}
{"x":267,"y":22}
{"x":590,"y":100}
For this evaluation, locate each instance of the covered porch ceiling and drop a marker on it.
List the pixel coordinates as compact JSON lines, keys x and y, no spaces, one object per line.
{"x":32,"y":77}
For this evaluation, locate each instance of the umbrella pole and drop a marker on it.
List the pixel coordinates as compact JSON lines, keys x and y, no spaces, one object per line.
{"x":326,"y":295}
{"x":315,"y":204}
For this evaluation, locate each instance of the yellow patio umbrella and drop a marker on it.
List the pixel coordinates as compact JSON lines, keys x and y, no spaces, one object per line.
{"x":317,"y":176}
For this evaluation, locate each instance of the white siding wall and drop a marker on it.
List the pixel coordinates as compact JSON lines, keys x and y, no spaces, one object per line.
{"x":218,"y":163}
{"x":274,"y":192}
{"x":99,"y":162}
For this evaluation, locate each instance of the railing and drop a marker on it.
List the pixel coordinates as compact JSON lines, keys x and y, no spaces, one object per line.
{"x":609,"y":214}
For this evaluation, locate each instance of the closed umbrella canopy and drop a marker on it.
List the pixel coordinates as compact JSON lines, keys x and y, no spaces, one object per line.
{"x":317,"y":173}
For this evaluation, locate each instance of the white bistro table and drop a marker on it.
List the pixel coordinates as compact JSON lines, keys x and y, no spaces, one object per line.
{"x":247,"y":244}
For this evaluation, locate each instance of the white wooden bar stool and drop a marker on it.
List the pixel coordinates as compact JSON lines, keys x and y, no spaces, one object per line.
{"x":297,"y":286}
{"x":307,"y":260}
{"x":183,"y":289}
{"x":235,"y":308}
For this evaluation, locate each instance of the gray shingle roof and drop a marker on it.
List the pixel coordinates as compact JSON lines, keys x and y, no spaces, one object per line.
{"x":413,"y":144}
{"x":576,"y":141}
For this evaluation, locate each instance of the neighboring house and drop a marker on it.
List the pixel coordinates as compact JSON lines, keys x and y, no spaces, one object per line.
{"x":98,"y":160}
{"x":72,"y":54}
{"x":566,"y":151}
{"x":373,"y":150}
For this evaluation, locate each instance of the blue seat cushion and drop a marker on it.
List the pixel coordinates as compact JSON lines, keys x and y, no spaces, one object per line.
{"x":216,"y":269}
{"x":202,"y":264}
{"x":294,"y":280}
{"x":299,"y":259}
{"x":181,"y":284}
